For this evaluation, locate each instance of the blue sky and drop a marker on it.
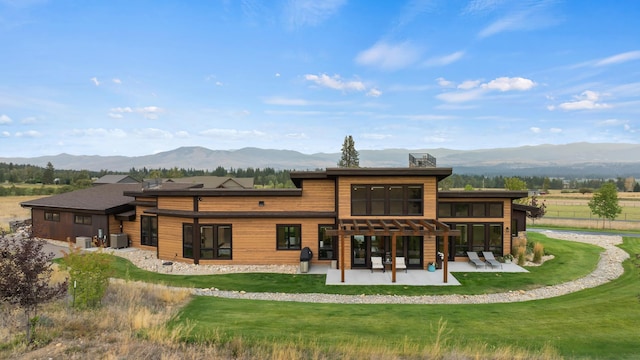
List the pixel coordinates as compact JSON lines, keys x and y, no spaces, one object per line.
{"x":137,"y":77}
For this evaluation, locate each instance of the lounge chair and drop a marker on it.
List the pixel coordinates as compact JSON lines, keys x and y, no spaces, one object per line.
{"x":400,"y":264}
{"x":488,"y":257}
{"x":376,"y":263}
{"x":474,"y":259}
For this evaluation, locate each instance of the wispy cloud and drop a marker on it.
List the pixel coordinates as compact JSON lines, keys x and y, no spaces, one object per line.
{"x":149,"y":112}
{"x":509,"y":84}
{"x":619,"y":58}
{"x":335,"y":82}
{"x":310,"y":12}
{"x":233,"y":134}
{"x":374,"y":92}
{"x":388,"y":56}
{"x":99,"y":132}
{"x":444,"y":60}
{"x":95,"y":81}
{"x":588,"y":100}
{"x":29,"y":134}
{"x":519,"y":15}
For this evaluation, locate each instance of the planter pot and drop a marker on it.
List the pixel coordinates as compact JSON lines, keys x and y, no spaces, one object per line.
{"x":431,"y":268}
{"x":507,"y":261}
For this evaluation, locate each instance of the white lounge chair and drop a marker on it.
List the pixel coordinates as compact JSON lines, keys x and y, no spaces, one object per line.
{"x":488,"y":257}
{"x":376,"y":263}
{"x":474,"y":259}
{"x":400,"y":264}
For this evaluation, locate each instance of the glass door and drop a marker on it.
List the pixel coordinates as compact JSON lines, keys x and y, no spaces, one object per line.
{"x":359,"y":252}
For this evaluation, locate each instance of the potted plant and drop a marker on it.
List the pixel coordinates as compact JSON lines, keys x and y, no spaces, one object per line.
{"x":431,"y":267}
{"x":507,"y":258}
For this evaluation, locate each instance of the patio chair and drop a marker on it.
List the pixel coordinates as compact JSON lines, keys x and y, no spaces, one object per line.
{"x":376,"y":263}
{"x":488,"y":257}
{"x":474,"y":259}
{"x":400,"y":264}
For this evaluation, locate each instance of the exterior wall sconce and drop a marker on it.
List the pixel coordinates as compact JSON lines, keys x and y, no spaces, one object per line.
{"x":507,"y":230}
{"x":261,"y":203}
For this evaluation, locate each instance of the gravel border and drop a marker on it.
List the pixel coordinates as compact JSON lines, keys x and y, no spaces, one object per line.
{"x":609,"y":268}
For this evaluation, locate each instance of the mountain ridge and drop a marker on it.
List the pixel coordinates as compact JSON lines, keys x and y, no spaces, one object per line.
{"x":589,"y":159}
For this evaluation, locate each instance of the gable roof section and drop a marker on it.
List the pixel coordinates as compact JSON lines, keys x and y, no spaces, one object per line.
{"x":215,"y":182}
{"x":108,"y":198}
{"x":115,"y":179}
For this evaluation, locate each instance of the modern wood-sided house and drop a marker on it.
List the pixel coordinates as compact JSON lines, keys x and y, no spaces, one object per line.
{"x":356,"y":212}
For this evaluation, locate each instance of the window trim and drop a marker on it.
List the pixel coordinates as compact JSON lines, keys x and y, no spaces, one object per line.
{"x":52,"y":216}
{"x":367,"y":205}
{"x":153,"y":236}
{"x":82,"y":219}
{"x":453,"y":206}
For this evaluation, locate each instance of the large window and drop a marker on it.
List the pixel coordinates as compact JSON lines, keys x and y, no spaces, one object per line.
{"x":386,"y":200}
{"x":477,"y":237}
{"x":149,"y":230}
{"x":288,"y":237}
{"x":462,"y":209}
{"x":52,"y":216}
{"x":82,"y":219}
{"x":327,"y":245}
{"x":215,"y":242}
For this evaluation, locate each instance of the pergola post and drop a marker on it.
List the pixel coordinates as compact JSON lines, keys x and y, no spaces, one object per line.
{"x":393,"y":257}
{"x":445,"y":261}
{"x":342,"y":257}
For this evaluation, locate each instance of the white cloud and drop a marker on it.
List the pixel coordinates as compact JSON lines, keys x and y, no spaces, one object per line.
{"x":520,"y":15}
{"x":389,"y":56}
{"x":29,"y":134}
{"x":445,"y":60}
{"x":115,"y":116}
{"x":29,"y":120}
{"x":5,"y":119}
{"x":116,"y":81}
{"x":535,"y":130}
{"x":5,"y":134}
{"x":469,"y":84}
{"x":95,"y":81}
{"x":122,"y":110}
{"x":149,"y":112}
{"x":277,"y":75}
{"x":462,"y":96}
{"x":154,"y":133}
{"x":233,"y":134}
{"x":619,"y":58}
{"x":588,"y":100}
{"x":374,"y":92}
{"x":335,"y":82}
{"x":444,"y":82}
{"x":508,"y":84}
{"x":99,"y":132}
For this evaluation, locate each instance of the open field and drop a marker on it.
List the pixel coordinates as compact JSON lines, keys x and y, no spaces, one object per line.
{"x":10,"y":209}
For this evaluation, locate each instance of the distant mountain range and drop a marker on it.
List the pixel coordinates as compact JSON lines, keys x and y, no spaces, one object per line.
{"x":570,"y":160}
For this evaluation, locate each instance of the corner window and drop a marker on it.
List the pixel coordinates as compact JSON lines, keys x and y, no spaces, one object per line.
{"x":149,"y":230}
{"x":82,"y":219}
{"x":215,"y":242}
{"x":52,"y":216}
{"x":288,"y":237}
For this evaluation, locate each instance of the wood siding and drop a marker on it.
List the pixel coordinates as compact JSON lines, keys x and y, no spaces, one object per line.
{"x":66,"y":229}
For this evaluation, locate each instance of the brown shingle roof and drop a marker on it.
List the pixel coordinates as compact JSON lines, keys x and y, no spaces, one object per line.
{"x":100,"y":198}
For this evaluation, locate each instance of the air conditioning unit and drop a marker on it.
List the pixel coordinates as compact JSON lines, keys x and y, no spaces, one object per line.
{"x":118,"y":241}
{"x":83,"y":242}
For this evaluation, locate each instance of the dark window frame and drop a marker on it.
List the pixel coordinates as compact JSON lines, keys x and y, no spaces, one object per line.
{"x":455,"y":209}
{"x":289,"y":232}
{"x":82,"y":219}
{"x":148,"y":230}
{"x":52,"y":216}
{"x":217,"y":251}
{"x":327,"y":252}
{"x":381,"y":200}
{"x":472,"y":243}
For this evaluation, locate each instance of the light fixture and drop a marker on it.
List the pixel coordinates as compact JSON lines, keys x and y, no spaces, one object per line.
{"x":261,"y":203}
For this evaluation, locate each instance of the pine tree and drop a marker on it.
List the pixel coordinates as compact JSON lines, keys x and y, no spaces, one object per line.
{"x":47,"y":175}
{"x":349,"y":157}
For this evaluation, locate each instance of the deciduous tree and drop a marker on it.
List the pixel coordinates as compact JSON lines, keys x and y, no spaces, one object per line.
{"x":605,"y":202}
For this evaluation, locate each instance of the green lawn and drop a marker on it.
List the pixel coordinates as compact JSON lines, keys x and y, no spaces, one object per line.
{"x":573,"y":260}
{"x":595,"y":323}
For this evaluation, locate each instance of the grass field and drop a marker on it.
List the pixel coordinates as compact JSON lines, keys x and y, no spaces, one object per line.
{"x":10,"y":209}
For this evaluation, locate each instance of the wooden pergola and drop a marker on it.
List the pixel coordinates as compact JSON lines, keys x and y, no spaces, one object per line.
{"x":392,"y":228}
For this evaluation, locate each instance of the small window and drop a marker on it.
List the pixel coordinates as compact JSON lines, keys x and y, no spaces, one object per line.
{"x":51,"y":216}
{"x":289,"y":237}
{"x":478,"y":210}
{"x":82,"y":219}
{"x":461,"y":210}
{"x":495,"y":210}
{"x":444,"y":210}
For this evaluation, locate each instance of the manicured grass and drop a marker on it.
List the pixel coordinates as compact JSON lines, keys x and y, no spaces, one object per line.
{"x":600,"y":323}
{"x":573,"y":260}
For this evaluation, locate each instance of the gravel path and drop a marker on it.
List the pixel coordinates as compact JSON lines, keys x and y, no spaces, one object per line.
{"x":609,"y":268}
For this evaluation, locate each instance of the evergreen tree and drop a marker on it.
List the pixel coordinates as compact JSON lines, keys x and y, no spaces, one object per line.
{"x":349,"y":157}
{"x":605,"y":202}
{"x":47,"y":175}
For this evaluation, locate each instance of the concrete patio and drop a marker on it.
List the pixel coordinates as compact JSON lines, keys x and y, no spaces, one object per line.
{"x":409,"y":278}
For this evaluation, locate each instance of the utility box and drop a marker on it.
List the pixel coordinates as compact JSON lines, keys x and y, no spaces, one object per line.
{"x":83,"y":242}
{"x":118,"y":241}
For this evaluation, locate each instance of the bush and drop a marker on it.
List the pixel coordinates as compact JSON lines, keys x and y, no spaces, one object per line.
{"x":538,"y":252}
{"x":89,"y":276}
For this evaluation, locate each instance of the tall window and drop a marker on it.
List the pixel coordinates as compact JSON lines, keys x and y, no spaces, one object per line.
{"x":386,"y":200}
{"x":288,"y":237}
{"x":149,"y":230}
{"x":478,"y":237}
{"x":215,"y":242}
{"x":327,"y":245}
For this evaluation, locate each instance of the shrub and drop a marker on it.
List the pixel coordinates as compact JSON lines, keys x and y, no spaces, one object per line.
{"x":522,"y":258}
{"x":89,"y":276}
{"x":538,"y":252}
